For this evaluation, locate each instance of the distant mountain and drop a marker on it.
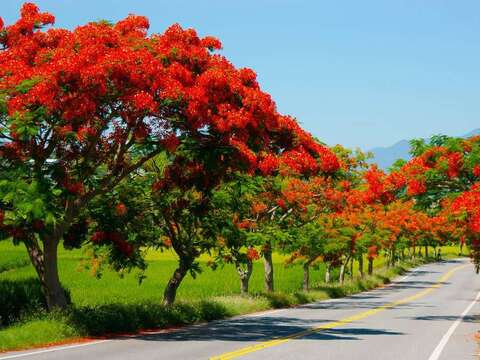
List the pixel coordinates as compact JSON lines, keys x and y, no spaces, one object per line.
{"x":472,"y":133}
{"x":386,"y":156}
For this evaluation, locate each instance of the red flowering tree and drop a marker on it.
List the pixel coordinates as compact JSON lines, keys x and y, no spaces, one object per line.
{"x":82,"y":109}
{"x":465,"y":212}
{"x":442,"y":168}
{"x":312,"y":214}
{"x":228,"y":125}
{"x":439,"y":168}
{"x":192,"y":217}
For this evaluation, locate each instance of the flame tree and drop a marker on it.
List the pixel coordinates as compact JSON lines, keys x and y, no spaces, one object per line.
{"x":80,"y":110}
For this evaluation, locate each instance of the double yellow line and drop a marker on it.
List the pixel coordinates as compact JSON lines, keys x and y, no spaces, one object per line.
{"x":335,"y":324}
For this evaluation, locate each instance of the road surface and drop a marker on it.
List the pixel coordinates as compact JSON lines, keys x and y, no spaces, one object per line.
{"x":432,"y":313}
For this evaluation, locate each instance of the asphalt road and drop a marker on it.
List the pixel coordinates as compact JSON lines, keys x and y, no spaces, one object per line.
{"x":432,"y":313}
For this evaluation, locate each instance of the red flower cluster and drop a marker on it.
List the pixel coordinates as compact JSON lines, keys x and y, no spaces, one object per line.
{"x":372,"y":252}
{"x":268,"y":164}
{"x":476,"y":171}
{"x":73,"y":187}
{"x":84,"y":132}
{"x":170,"y":143}
{"x":416,"y":187}
{"x":297,"y":193}
{"x":252,"y":254}
{"x":380,"y":187}
{"x":469,"y":203}
{"x":258,"y":208}
{"x":103,"y":237}
{"x":121,"y":209}
{"x":168,"y":83}
{"x":455,"y":163}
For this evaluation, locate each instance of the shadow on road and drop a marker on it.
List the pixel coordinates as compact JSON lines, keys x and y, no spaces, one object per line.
{"x":368,"y":300}
{"x":265,"y":328}
{"x":469,"y":318}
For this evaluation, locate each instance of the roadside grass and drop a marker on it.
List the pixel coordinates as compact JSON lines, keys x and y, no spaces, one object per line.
{"x":118,"y":305}
{"x":12,"y":257}
{"x":45,"y":330}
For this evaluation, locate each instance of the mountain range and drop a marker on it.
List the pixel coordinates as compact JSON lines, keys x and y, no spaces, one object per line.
{"x":386,"y":156}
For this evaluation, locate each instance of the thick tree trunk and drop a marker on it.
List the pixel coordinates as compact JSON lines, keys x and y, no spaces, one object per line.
{"x":268,"y":269}
{"x":360,"y":266}
{"x":170,"y":292}
{"x":244,"y":275}
{"x":54,"y":293}
{"x":327,"y":273}
{"x":370,"y":266}
{"x":306,"y":276}
{"x":36,"y":257}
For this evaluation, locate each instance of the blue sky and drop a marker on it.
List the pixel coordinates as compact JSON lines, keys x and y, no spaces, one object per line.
{"x":360,"y":73}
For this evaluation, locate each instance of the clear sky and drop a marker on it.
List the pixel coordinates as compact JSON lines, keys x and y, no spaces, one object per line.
{"x":360,"y":73}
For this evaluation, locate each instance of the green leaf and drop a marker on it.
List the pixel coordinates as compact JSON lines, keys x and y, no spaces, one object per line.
{"x":27,"y":84}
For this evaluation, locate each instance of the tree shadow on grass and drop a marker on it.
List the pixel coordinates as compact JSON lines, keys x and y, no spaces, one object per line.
{"x":118,"y":318}
{"x":19,"y":298}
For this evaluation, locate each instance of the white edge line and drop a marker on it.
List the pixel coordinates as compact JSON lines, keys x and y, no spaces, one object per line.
{"x":441,"y":345}
{"x":16,"y":356}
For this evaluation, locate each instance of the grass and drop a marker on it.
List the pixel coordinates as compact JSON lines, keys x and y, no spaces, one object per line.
{"x":12,"y":257}
{"x":86,"y":290}
{"x":113,"y":304}
{"x":36,"y":332}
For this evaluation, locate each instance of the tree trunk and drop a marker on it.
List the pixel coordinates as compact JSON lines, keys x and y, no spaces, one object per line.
{"x":426,"y":250}
{"x":370,"y":266}
{"x":342,"y":273}
{"x":268,"y":269}
{"x":36,"y":257}
{"x":351,"y":267}
{"x":306,"y":276}
{"x":54,"y":293}
{"x":327,"y":274}
{"x":392,"y":257}
{"x":360,"y":266}
{"x":171,"y":289}
{"x":245,"y":275}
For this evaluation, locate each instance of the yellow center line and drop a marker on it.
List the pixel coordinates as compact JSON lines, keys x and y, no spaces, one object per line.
{"x":335,"y":324}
